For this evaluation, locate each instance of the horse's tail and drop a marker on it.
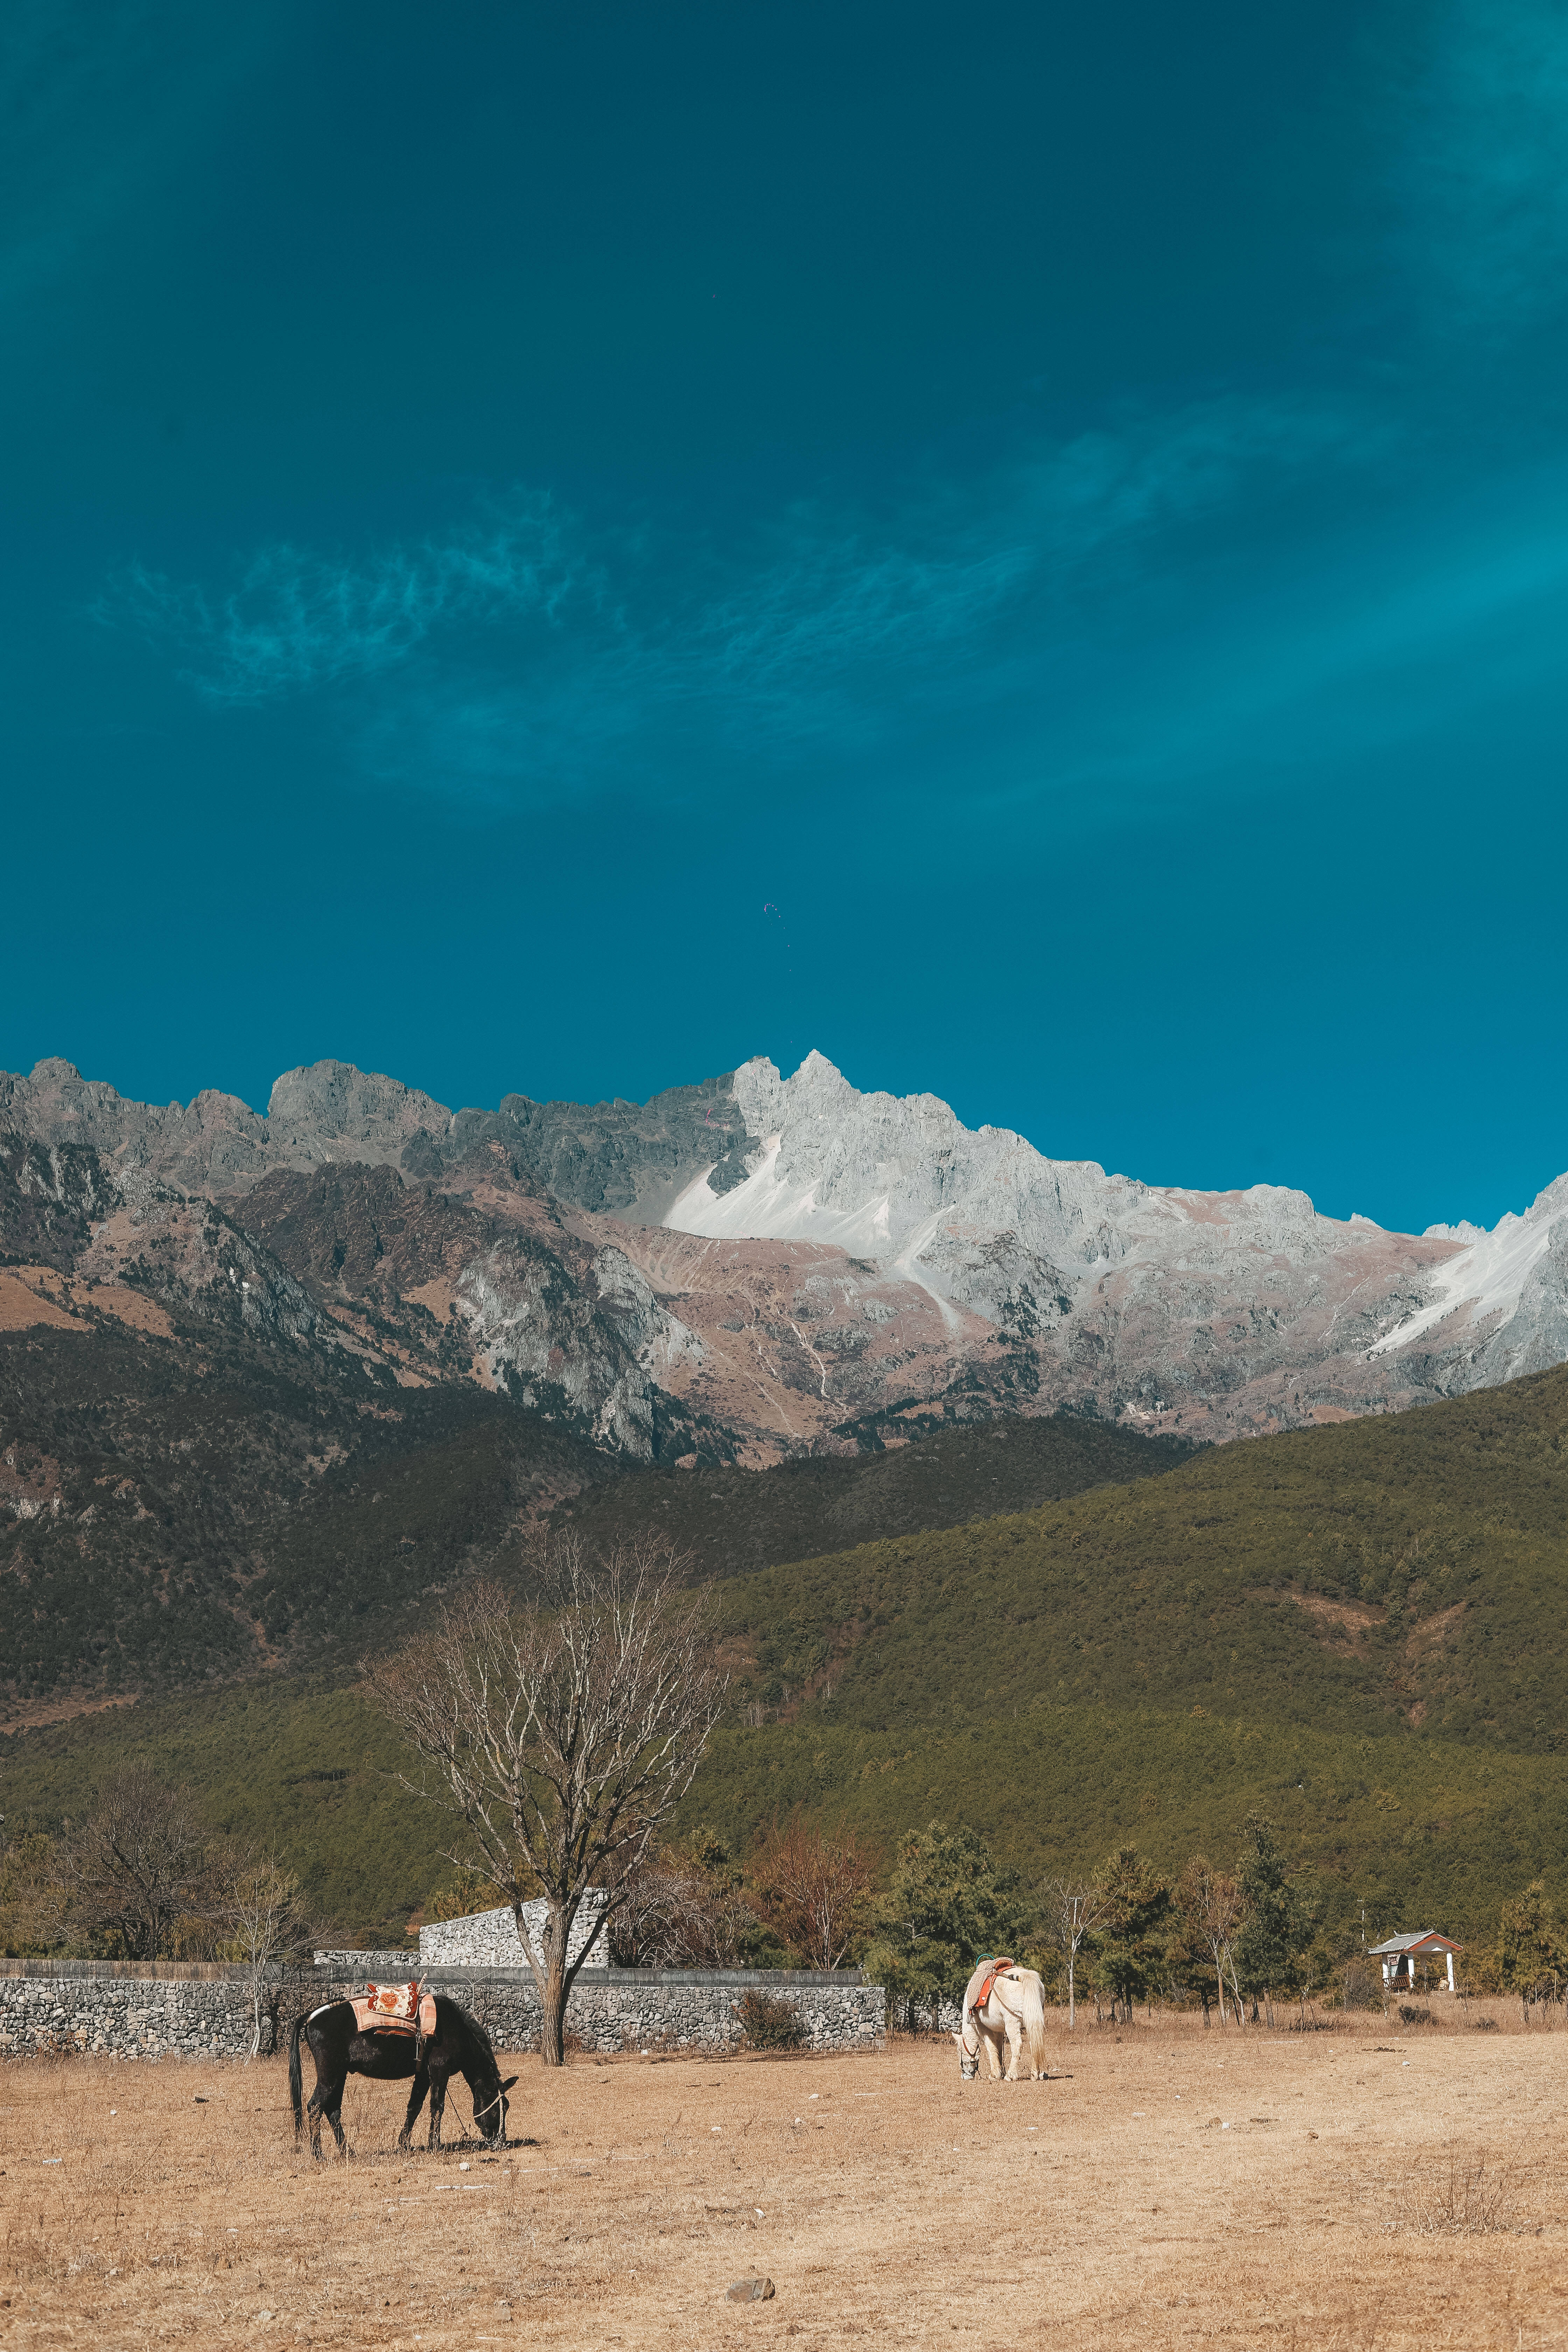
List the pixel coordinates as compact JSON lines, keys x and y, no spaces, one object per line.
{"x":296,"y":2087}
{"x":1034,"y":2020}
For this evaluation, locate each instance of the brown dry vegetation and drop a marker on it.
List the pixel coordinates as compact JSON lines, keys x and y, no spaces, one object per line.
{"x":1362,"y":2196}
{"x":38,"y":1295}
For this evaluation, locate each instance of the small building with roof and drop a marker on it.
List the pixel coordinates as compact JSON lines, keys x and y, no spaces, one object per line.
{"x":1400,"y":1954}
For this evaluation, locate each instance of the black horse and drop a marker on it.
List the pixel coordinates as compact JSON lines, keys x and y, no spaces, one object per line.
{"x":459,"y":2045}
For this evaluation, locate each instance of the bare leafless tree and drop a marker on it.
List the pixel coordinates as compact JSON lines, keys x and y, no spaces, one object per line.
{"x":134,"y":1867}
{"x":563,"y":1729}
{"x":263,"y":1918}
{"x":1209,"y":1902}
{"x":1071,"y":1914}
{"x":815,"y":1891}
{"x":677,"y":1912}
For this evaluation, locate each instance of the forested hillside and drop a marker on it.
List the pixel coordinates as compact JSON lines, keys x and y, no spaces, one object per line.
{"x":1357,"y":1629}
{"x":1398,"y":1574}
{"x":188,"y":1500}
{"x":734,"y":1523}
{"x":175,"y":1512}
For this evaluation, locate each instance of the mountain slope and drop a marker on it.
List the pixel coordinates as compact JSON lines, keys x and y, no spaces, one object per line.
{"x":183,"y":1508}
{"x":1224,"y":1314}
{"x":760,"y":1266}
{"x":1394,"y":1574}
{"x":1357,"y":1629}
{"x":734,"y":1523}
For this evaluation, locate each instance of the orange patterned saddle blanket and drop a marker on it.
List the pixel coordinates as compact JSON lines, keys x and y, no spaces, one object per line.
{"x":396,"y":2009}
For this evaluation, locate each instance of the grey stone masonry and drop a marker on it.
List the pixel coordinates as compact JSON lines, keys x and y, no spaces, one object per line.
{"x":489,"y":1939}
{"x":387,"y":1967}
{"x":163,"y":2009}
{"x":185,"y":2010}
{"x":610,"y":2009}
{"x":483,"y":1940}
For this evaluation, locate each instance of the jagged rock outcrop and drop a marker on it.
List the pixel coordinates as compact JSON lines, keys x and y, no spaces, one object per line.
{"x":622,"y":1159}
{"x":761,"y":1263}
{"x":1222,"y":1312}
{"x":49,"y":1194}
{"x":481,"y":1278}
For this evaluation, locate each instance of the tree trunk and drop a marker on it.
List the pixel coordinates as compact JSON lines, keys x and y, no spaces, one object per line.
{"x":550,"y":1981}
{"x":1072,"y":2005}
{"x":552,"y":2004}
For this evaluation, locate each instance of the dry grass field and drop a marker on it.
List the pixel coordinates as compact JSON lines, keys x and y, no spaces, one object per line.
{"x":1354,"y":2187}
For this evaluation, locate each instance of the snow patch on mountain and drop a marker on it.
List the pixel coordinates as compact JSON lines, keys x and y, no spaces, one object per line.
{"x":1491,"y":1272}
{"x":1129,"y":1294}
{"x":769,"y":1207}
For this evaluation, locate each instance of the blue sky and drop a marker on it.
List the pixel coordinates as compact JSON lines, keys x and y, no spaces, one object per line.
{"x":1025,"y":547}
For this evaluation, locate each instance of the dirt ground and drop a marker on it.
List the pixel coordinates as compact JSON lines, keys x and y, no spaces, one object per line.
{"x":1360,"y":2186}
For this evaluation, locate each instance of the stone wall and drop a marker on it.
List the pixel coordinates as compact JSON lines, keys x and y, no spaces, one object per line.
{"x":383,"y":1968}
{"x":170,"y":2009}
{"x":483,"y":1940}
{"x":158,"y":2011}
{"x":612,"y":2010}
{"x":489,"y":1939}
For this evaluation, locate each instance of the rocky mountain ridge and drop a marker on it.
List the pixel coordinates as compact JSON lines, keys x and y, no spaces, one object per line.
{"x":1222,"y":1312}
{"x":621,"y":1158}
{"x":762,"y":1266}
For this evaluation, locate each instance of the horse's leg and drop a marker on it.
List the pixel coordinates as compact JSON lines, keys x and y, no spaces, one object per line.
{"x":416,"y":2091}
{"x":438,"y":2106}
{"x":327,"y":2099}
{"x":1015,"y":2047}
{"x":993,"y":2041}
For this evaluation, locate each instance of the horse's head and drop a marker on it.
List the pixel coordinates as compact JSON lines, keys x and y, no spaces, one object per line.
{"x":968,"y":2050}
{"x":490,"y":2109}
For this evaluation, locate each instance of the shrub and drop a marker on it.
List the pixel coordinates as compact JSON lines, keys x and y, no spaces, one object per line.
{"x":1414,"y":2013}
{"x":1362,"y":1985}
{"x":767,"y":2022}
{"x":1486,"y":2025}
{"x":1475,"y":2198}
{"x":461,"y":1897}
{"x":815,"y":1891}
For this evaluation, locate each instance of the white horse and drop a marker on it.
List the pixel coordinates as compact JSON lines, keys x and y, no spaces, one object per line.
{"x":1002,"y":2002}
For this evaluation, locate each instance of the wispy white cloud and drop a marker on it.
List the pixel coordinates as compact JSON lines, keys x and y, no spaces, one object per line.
{"x":538,"y":657}
{"x":298,"y":619}
{"x":953,"y":566}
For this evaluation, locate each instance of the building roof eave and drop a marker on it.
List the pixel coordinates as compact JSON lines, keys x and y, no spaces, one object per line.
{"x":1425,"y":1939}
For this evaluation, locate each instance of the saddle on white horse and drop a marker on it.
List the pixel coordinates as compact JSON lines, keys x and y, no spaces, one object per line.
{"x":984,"y":1979}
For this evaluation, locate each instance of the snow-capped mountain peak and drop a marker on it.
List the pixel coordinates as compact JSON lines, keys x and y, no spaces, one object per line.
{"x":1239,"y":1298}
